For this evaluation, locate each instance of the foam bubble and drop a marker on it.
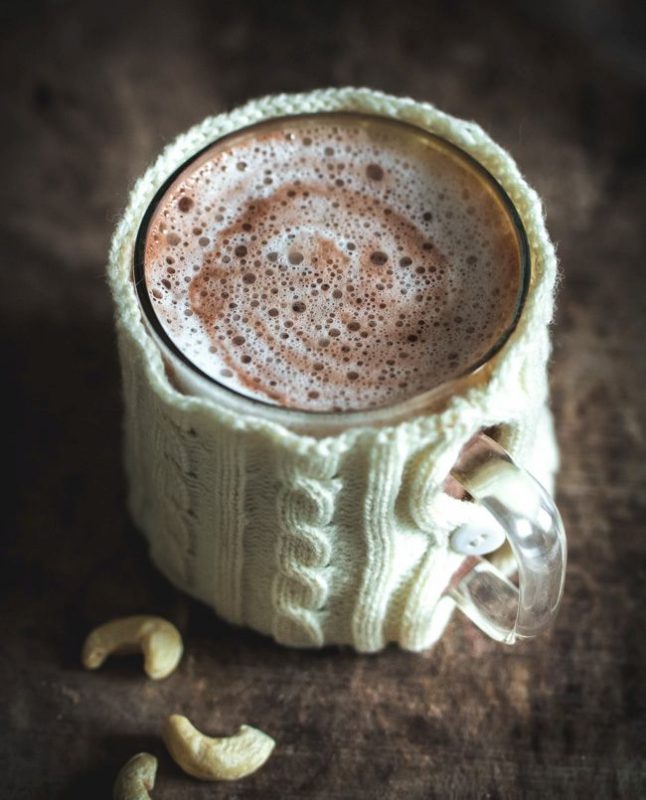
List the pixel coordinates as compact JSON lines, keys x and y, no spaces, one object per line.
{"x":332,"y":263}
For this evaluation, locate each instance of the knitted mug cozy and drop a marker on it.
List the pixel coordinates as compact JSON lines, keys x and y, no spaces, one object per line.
{"x":340,"y":539}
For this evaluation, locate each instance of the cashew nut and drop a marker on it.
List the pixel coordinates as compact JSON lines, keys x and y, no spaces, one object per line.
{"x":158,"y":639}
{"x":135,"y":778}
{"x":224,"y":759}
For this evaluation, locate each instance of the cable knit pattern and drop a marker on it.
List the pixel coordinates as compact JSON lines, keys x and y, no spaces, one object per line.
{"x":306,"y":504}
{"x":336,"y":539}
{"x":385,"y":469}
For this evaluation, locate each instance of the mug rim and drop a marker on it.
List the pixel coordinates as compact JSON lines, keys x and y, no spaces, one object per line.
{"x":205,"y":385}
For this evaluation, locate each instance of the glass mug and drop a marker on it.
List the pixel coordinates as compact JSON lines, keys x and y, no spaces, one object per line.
{"x":516,"y":516}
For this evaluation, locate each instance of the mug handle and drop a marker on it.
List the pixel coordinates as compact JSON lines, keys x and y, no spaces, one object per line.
{"x":527,"y":517}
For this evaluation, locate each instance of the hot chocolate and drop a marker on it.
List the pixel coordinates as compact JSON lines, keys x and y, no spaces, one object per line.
{"x":333,"y":262}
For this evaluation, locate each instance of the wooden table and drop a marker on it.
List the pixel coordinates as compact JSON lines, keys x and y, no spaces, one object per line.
{"x":91,"y":94}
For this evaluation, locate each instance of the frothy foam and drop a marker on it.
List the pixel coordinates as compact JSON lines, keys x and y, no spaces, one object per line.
{"x":332,"y":262}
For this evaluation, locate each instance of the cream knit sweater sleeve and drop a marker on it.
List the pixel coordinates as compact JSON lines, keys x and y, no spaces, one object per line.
{"x":342,"y":539}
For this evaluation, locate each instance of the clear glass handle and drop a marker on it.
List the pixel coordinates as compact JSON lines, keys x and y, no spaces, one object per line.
{"x":533,"y":528}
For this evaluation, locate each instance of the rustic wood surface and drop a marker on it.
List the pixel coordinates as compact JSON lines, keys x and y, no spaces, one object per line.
{"x":90,"y":93}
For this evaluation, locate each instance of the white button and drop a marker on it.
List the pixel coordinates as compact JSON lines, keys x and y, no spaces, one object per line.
{"x":476,"y":540}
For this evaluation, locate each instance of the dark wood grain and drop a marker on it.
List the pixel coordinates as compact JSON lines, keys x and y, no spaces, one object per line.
{"x":91,"y":92}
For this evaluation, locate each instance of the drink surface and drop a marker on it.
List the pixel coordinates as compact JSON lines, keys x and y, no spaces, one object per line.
{"x":333,"y":262}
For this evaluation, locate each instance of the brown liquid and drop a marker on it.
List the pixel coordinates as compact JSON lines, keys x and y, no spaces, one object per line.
{"x":333,"y":262}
